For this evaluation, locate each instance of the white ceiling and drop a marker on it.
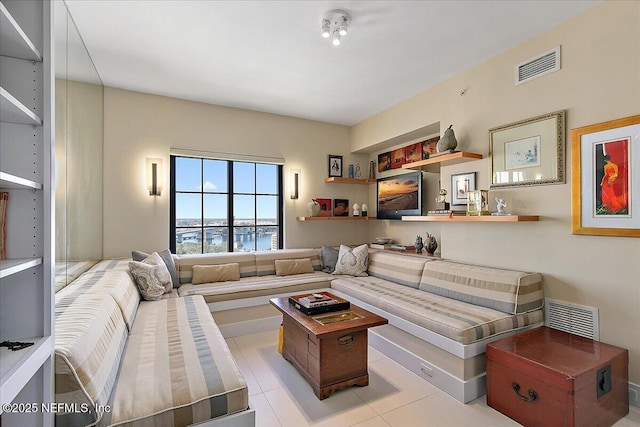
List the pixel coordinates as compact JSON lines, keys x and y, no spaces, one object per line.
{"x":269,"y":55}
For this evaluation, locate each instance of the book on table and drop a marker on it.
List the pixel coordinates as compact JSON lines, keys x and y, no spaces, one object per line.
{"x":321,"y":302}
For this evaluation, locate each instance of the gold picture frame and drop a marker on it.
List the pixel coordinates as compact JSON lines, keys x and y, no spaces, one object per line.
{"x":605,"y":173}
{"x":528,"y":152}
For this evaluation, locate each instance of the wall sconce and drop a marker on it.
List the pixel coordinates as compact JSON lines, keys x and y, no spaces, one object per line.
{"x":154,"y":176}
{"x":294,"y":183}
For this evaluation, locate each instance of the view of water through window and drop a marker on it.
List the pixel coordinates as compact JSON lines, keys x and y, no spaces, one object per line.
{"x":222,"y":206}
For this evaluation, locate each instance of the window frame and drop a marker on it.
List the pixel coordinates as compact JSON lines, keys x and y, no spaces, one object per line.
{"x":230,"y":193}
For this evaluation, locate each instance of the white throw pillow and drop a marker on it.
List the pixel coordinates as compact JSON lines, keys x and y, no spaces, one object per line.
{"x":162,"y":274}
{"x":147,"y":277}
{"x":352,"y":261}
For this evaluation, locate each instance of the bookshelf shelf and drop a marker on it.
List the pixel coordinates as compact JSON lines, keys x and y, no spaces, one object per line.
{"x":464,"y":218}
{"x":337,"y":180}
{"x":336,"y":218}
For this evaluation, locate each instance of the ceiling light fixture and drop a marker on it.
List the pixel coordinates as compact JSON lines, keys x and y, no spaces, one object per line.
{"x":335,"y":23}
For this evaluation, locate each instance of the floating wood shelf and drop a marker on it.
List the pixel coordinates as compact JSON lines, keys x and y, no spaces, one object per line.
{"x":433,"y":164}
{"x":336,"y":218}
{"x":464,"y":218}
{"x":335,"y":179}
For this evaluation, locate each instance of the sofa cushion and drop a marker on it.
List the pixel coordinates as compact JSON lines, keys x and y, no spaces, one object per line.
{"x":403,"y":269}
{"x":150,"y":279}
{"x":454,"y":319}
{"x":249,"y":287}
{"x":246,"y":261}
{"x":329,"y":258}
{"x":168,"y":259}
{"x":215,"y":273}
{"x":117,"y":283}
{"x":504,"y":290}
{"x":89,"y":341}
{"x":177,"y":370}
{"x":352,"y":261}
{"x":287,"y":267}
{"x":266,"y":260}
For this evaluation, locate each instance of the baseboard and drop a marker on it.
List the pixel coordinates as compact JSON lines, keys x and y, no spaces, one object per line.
{"x":634,"y":395}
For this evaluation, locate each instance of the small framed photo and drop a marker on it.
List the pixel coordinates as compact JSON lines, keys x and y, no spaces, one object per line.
{"x":461,"y":184}
{"x":384,"y":161}
{"x":335,"y":166}
{"x":340,"y":207}
{"x":397,"y":158}
{"x":413,"y":153}
{"x":429,"y":147}
{"x":325,"y":206}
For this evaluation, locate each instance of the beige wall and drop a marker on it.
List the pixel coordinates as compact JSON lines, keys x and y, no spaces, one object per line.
{"x":139,"y":125}
{"x":599,"y":81}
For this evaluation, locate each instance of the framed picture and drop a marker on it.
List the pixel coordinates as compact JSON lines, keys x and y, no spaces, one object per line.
{"x":325,"y":206}
{"x":384,"y":161}
{"x":335,"y":166}
{"x":605,"y":178}
{"x":397,"y":158}
{"x":529,"y":152}
{"x":413,"y":153}
{"x":429,"y":147}
{"x":340,"y":207}
{"x":461,"y":184}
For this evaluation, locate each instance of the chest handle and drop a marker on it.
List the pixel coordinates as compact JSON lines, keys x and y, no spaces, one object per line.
{"x":532,"y":394}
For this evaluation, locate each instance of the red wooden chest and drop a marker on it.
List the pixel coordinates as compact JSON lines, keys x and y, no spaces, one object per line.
{"x":545,"y":377}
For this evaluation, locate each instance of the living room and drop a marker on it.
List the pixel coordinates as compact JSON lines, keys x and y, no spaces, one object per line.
{"x":105,"y":210}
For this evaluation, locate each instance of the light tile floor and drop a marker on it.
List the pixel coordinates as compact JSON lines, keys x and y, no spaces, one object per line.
{"x":395,"y":396}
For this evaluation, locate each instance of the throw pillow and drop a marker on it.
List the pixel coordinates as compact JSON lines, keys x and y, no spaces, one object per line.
{"x":352,"y":261}
{"x":329,"y":259}
{"x":147,"y":277}
{"x":163,"y":272}
{"x":287,"y":267}
{"x":215,"y":273}
{"x":167,"y":257}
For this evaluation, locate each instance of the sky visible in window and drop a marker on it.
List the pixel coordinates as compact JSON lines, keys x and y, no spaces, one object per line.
{"x":210,"y":176}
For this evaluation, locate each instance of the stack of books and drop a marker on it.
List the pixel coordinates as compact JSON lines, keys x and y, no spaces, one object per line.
{"x":445,"y":212}
{"x":398,"y":247}
{"x":322,"y":302}
{"x":375,"y":245}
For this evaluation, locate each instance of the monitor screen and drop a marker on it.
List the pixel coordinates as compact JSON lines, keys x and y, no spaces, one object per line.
{"x":400,"y":195}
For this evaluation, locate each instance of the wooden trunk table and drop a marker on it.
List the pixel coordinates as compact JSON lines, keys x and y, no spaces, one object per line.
{"x":330,"y":357}
{"x":546,"y":377}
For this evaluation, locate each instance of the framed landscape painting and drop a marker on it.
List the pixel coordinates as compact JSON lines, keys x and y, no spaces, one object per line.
{"x":604,"y":176}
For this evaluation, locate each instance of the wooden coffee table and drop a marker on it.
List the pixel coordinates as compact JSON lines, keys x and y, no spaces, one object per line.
{"x":331,"y":356}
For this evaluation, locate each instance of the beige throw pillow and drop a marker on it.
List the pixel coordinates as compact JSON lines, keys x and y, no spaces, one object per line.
{"x":148,"y":279}
{"x":287,"y":267}
{"x":352,"y":261}
{"x":215,"y":273}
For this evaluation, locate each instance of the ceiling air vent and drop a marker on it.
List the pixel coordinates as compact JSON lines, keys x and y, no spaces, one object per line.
{"x":573,"y":318}
{"x":539,"y":66}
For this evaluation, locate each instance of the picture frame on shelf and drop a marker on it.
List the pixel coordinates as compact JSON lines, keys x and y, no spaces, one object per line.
{"x":384,"y":161}
{"x":413,"y":153}
{"x":340,"y":207}
{"x":430,"y":147}
{"x":397,"y":158}
{"x":325,"y":206}
{"x":603,"y":176}
{"x":461,"y":184}
{"x":528,"y":152}
{"x":335,"y":166}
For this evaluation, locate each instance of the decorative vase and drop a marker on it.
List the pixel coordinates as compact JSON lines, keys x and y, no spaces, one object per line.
{"x":431,"y":244}
{"x":418,"y":244}
{"x":448,"y":141}
{"x":313,"y":208}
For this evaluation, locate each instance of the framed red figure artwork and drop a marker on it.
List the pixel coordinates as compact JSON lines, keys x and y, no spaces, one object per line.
{"x":605,"y":169}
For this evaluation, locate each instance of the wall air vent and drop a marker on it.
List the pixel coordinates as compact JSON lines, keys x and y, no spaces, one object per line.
{"x":539,"y":66}
{"x":573,"y":318}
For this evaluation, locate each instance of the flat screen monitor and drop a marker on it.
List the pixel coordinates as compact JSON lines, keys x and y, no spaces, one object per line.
{"x":400,"y":195}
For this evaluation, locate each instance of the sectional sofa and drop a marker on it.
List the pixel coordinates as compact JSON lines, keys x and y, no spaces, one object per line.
{"x":166,"y":363}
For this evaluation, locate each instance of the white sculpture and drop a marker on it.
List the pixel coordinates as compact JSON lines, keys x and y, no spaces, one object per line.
{"x":356,"y":209}
{"x":501,"y":204}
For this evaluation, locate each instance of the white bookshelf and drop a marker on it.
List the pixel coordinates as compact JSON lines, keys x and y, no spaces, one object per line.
{"x":26,"y":277}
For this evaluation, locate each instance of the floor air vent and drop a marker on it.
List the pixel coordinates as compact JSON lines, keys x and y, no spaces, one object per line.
{"x":573,"y":318}
{"x":539,"y":66}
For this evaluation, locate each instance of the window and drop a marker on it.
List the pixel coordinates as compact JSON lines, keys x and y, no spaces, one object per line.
{"x":224,"y":206}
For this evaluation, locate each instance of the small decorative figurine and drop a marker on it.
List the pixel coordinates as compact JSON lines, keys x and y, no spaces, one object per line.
{"x":442,"y":199}
{"x":358,"y":171}
{"x":448,"y":142}
{"x":356,"y":209}
{"x":431,"y":245}
{"x":418,"y":244}
{"x":365,"y":209}
{"x":313,"y":207}
{"x":501,"y":204}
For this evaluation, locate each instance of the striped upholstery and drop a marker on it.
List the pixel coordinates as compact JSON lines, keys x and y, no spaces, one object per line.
{"x":258,"y":286}
{"x":113,"y":264}
{"x":403,"y":269}
{"x":504,"y":290}
{"x":186,"y":262}
{"x":177,"y":369}
{"x":451,"y":318}
{"x":89,"y":341}
{"x":117,"y":283}
{"x":266,"y":260}
{"x":67,"y":272}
